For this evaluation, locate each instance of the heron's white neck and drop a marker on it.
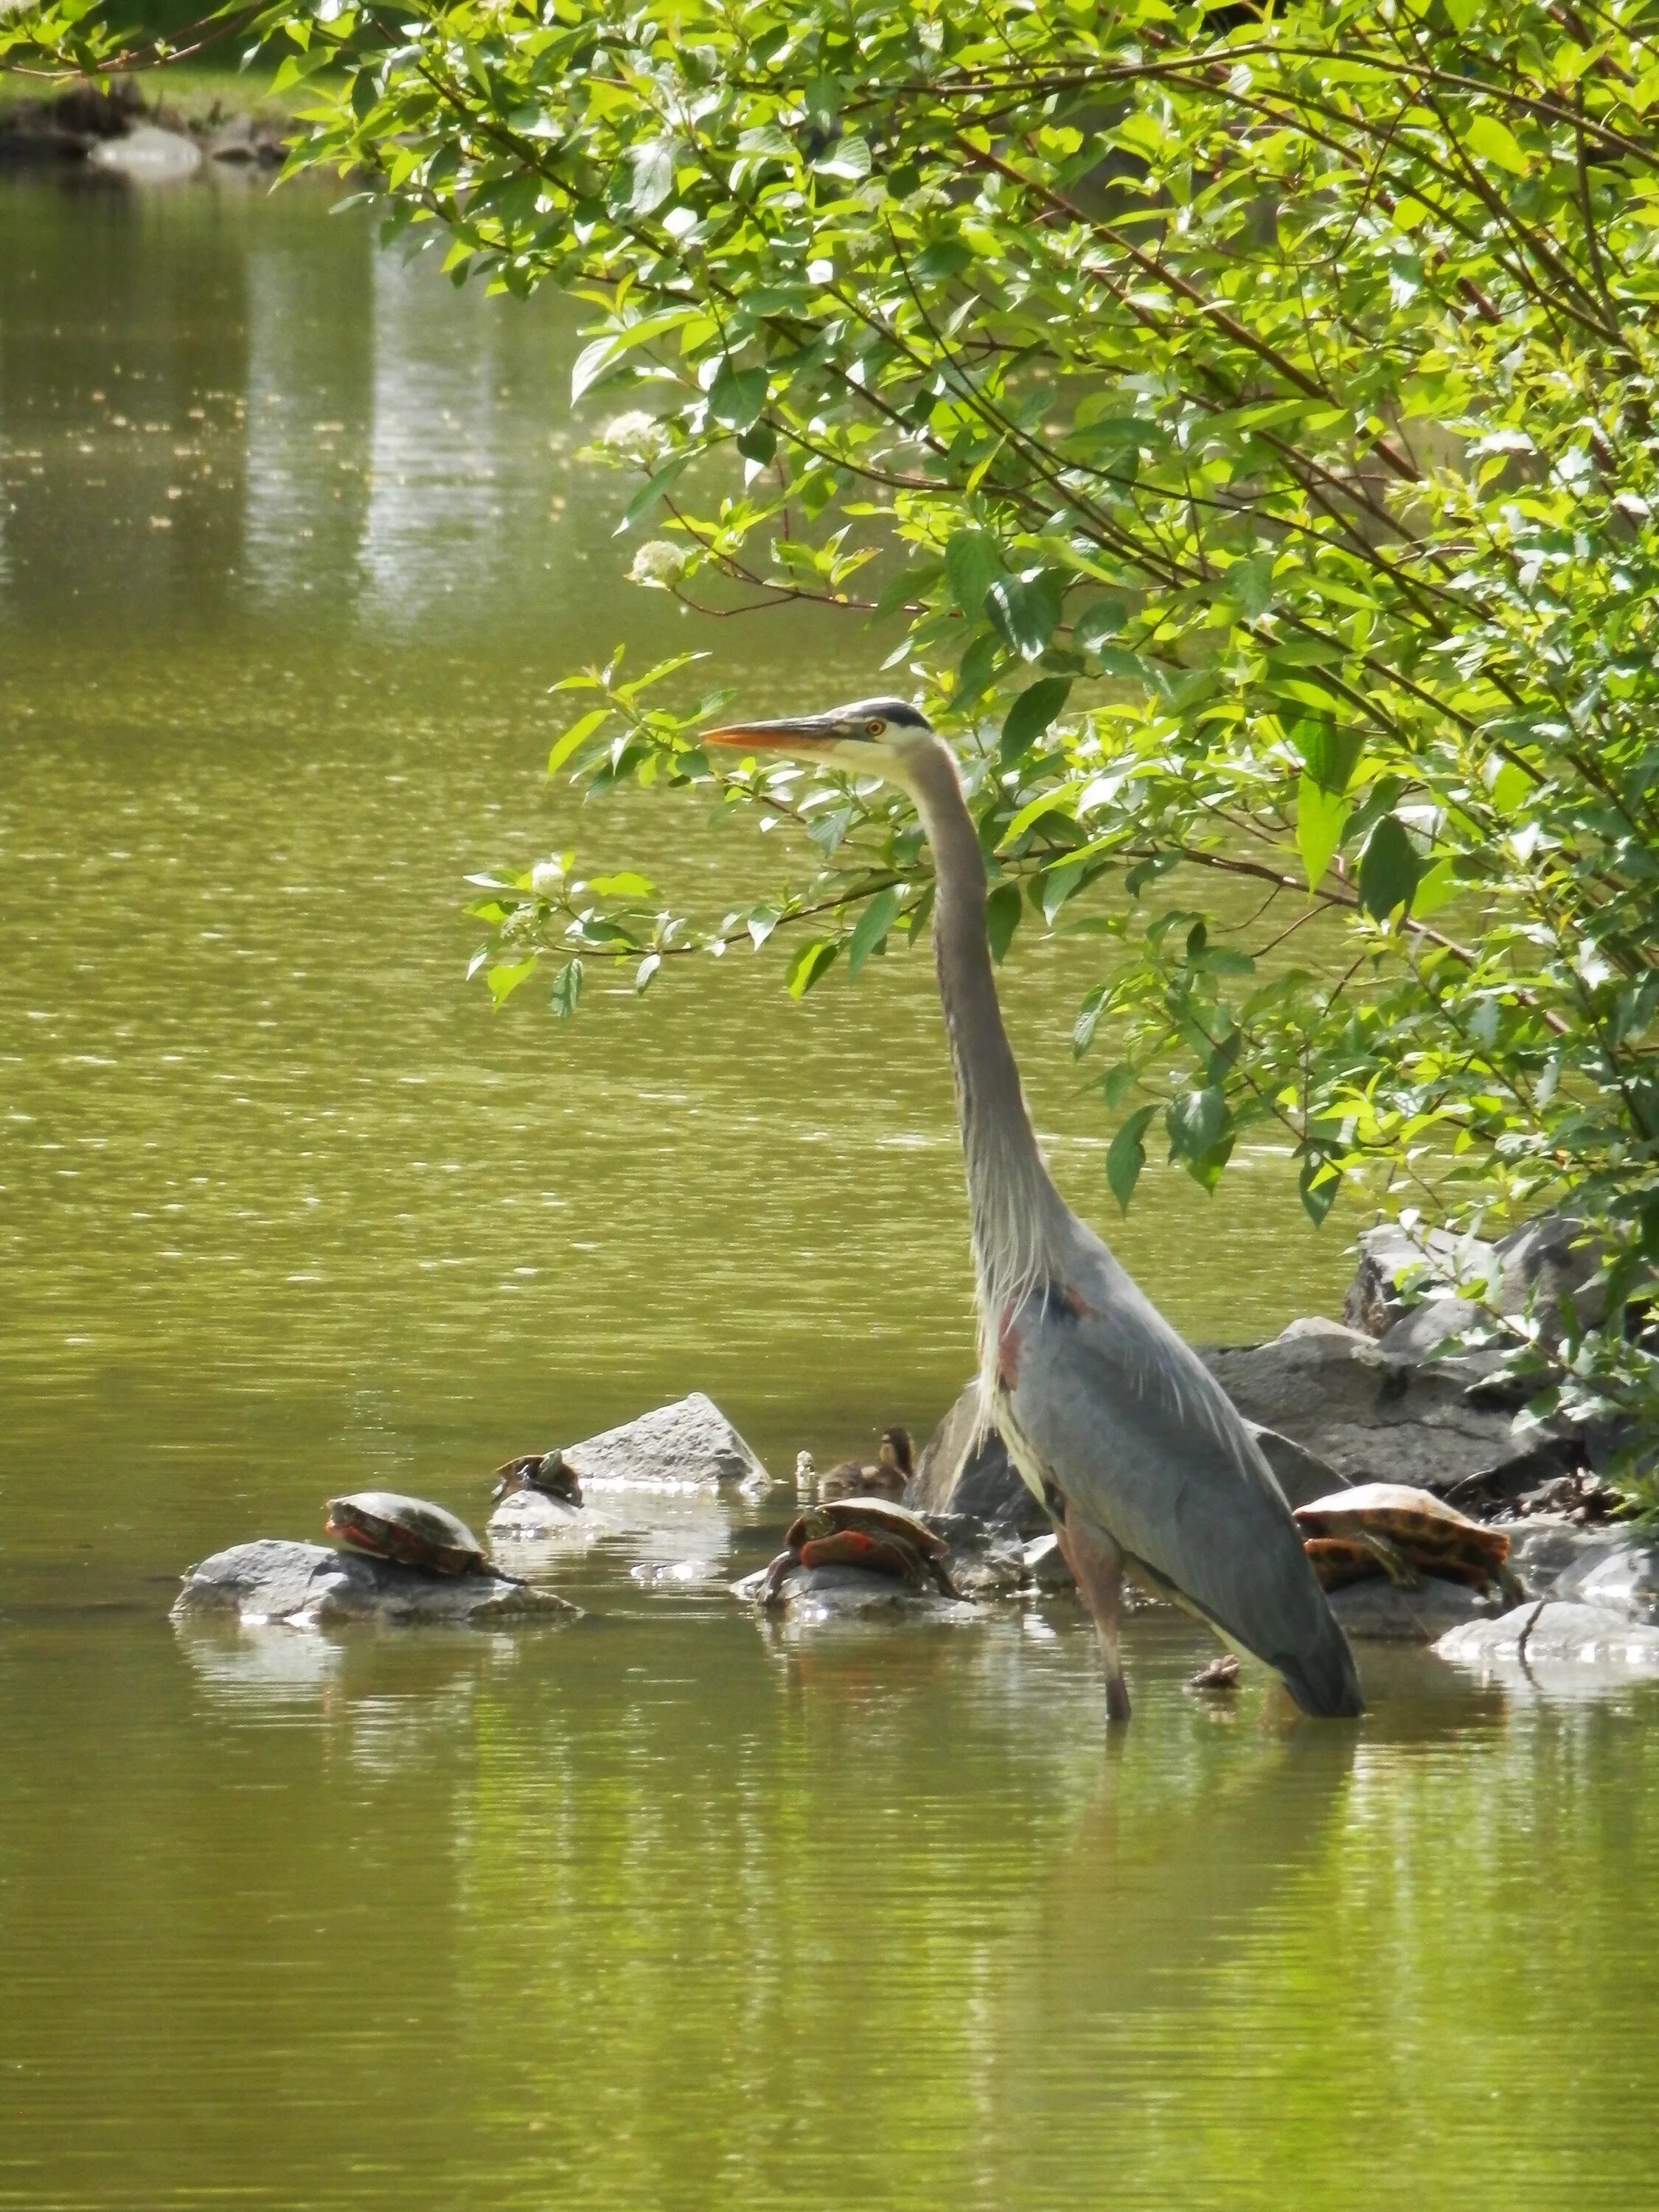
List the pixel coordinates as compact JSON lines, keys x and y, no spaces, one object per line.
{"x":1018,"y":1218}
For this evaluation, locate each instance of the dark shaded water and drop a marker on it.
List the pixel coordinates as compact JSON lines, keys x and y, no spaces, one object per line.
{"x":656,"y":1910}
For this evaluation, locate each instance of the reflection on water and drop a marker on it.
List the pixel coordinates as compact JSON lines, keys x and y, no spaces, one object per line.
{"x":662,"y":1911}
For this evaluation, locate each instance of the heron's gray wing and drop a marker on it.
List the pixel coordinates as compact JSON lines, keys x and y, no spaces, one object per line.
{"x":1102,"y":1398}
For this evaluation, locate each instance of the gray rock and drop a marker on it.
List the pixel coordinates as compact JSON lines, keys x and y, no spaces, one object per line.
{"x":1620,"y":1574}
{"x":1555,"y":1633}
{"x":236,"y":140}
{"x":148,"y":154}
{"x":1375,"y":1419}
{"x":1537,"y":1266}
{"x":963,"y":1473}
{"x":1301,"y":1475}
{"x":688,"y":1445}
{"x":816,"y":1595}
{"x":1045,"y":1566}
{"x":1543,"y":1548}
{"x":532,"y":1517}
{"x":1376,"y":1612}
{"x":1376,"y":1301}
{"x":309,"y":1586}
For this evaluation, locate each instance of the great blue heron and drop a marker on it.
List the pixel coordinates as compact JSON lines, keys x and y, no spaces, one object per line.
{"x":1130,"y":1444}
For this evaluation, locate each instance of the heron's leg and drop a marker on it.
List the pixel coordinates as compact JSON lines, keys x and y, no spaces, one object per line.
{"x":1097,"y":1567}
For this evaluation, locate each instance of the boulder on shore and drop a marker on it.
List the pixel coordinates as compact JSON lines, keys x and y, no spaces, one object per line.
{"x":312,"y":1586}
{"x":1372,"y":1419}
{"x":1540,"y":1265}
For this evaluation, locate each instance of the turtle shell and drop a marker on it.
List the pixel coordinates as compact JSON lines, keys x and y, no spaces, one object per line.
{"x":389,"y":1526}
{"x":1339,"y":1560}
{"x":1431,"y":1531}
{"x":875,"y":1516}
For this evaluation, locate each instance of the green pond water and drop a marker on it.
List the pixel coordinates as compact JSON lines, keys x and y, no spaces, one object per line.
{"x":660,"y":1910}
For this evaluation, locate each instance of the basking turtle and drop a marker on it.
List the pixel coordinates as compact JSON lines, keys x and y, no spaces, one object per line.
{"x":1388,"y":1528}
{"x":415,"y":1534}
{"x":861,"y":1532}
{"x":549,"y":1473}
{"x":884,"y":1477}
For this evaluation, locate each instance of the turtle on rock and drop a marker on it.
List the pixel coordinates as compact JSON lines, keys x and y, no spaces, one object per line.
{"x":1389,"y":1529}
{"x":872,"y":1533}
{"x":409,"y":1530}
{"x":548,"y":1473}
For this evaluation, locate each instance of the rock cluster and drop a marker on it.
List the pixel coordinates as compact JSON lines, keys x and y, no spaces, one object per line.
{"x":111,"y":130}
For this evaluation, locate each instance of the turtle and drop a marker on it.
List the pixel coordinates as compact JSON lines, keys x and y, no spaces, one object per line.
{"x":1387,"y":1528}
{"x":860,"y":1532}
{"x":415,"y":1534}
{"x":550,"y":1473}
{"x":885,"y":1476}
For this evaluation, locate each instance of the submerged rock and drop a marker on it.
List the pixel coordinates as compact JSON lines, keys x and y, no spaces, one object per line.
{"x":311,"y":1586}
{"x":1557,"y":1632}
{"x":1379,"y":1612}
{"x":966,"y":1473}
{"x":813,"y":1594}
{"x":689,"y":1445}
{"x":149,"y":154}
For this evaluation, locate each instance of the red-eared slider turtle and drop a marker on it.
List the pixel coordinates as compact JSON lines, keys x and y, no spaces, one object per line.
{"x":861,"y":1532}
{"x":884,"y":1477}
{"x":1388,"y":1528}
{"x":408,"y":1529}
{"x":549,"y":1473}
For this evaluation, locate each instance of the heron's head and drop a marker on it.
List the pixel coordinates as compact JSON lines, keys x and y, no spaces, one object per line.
{"x":867,"y":737}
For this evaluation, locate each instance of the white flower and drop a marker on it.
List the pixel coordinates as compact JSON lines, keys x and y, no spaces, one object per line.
{"x":658,"y":563}
{"x":637,"y":439}
{"x":547,"y":879}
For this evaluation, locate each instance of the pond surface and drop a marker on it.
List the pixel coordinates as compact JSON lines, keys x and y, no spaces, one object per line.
{"x":659,"y":1910}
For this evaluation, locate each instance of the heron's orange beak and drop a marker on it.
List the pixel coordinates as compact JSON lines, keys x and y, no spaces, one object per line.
{"x":804,"y":734}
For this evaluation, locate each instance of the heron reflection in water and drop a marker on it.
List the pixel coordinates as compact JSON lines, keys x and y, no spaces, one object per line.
{"x":1134,"y":1448}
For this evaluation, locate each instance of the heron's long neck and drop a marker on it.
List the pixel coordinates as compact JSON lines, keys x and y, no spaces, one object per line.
{"x":1018,"y":1215}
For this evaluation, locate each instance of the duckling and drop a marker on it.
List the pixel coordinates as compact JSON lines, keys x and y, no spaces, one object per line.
{"x":884,"y":1477}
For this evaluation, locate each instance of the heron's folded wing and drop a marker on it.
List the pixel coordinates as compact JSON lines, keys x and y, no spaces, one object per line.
{"x":1125,"y":1419}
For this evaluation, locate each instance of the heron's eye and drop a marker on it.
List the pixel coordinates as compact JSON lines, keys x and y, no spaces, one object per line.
{"x":876,"y":727}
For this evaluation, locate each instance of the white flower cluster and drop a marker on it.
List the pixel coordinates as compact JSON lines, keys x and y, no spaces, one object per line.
{"x":547,"y":878}
{"x":658,"y":563}
{"x":637,"y":441}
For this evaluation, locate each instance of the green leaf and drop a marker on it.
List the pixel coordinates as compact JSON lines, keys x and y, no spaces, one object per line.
{"x":1125,"y":1155}
{"x":1329,"y":755}
{"x":567,"y":989}
{"x":654,"y":175}
{"x":1026,"y":610}
{"x":646,"y":968}
{"x":1088,"y":1017}
{"x":626,"y":885}
{"x":874,"y":924}
{"x":807,"y":963}
{"x":1495,"y":141}
{"x":576,"y":736}
{"x":737,"y":395}
{"x":1046,"y":802}
{"x":1196,"y":1121}
{"x":1321,"y":818}
{"x":1031,"y":712}
{"x":503,"y":981}
{"x":653,"y":488}
{"x":1388,"y":869}
{"x":972,"y":563}
{"x":1002,"y":911}
{"x":1318,"y":1185}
